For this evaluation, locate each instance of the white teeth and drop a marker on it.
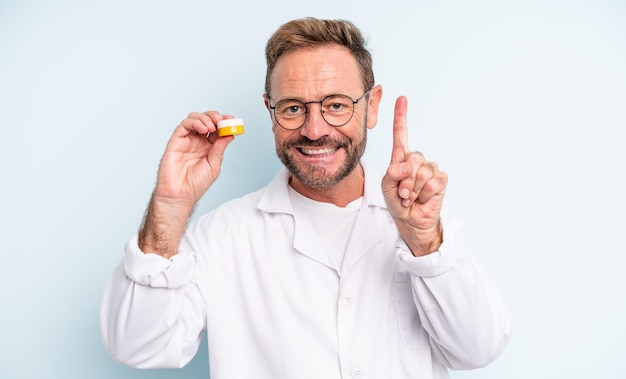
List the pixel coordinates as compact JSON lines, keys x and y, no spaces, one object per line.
{"x":327,"y":150}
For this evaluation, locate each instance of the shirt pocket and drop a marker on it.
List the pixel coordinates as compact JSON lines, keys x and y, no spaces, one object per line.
{"x":409,"y":324}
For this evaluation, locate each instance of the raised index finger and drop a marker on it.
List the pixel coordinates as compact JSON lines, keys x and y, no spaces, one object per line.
{"x":400,"y":133}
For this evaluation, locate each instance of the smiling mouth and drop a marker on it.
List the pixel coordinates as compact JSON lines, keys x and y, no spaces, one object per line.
{"x":316,"y":152}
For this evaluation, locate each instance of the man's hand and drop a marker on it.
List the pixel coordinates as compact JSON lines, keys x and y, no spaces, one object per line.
{"x":192,"y":161}
{"x":190,"y":165}
{"x":414,"y":189}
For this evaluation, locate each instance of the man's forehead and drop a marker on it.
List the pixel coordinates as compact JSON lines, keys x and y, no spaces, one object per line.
{"x":323,"y":70}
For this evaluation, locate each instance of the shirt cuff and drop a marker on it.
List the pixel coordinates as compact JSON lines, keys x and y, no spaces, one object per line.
{"x":156,"y":271}
{"x":435,"y":263}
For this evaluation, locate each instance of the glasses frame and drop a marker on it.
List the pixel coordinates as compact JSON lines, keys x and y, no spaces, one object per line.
{"x":320,"y":102}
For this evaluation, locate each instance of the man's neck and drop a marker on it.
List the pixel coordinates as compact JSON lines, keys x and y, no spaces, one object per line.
{"x":343,"y":193}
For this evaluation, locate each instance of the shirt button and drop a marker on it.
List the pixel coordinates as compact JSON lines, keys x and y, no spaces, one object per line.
{"x":357,"y":372}
{"x":346,"y":300}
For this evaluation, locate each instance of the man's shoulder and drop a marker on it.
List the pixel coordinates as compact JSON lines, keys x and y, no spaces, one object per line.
{"x":252,"y":202}
{"x":238,"y":206}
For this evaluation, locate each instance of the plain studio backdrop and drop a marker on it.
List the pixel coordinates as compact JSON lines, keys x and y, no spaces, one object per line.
{"x":523,"y":103}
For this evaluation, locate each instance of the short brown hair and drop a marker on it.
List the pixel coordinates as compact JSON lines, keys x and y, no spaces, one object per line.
{"x":312,"y":32}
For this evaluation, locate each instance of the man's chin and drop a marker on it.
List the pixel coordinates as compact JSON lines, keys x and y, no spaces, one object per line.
{"x":320,"y":176}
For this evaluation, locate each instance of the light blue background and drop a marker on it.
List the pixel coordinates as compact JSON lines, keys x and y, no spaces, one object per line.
{"x":523,"y":103}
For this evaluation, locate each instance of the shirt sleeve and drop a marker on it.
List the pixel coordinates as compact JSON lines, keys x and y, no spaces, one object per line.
{"x":459,"y":304}
{"x":152,"y":313}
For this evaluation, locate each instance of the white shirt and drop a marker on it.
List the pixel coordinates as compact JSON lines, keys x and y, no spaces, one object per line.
{"x":334,"y":223}
{"x":274,"y":306}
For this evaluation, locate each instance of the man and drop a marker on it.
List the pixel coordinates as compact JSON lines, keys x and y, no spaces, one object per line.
{"x":320,"y":274}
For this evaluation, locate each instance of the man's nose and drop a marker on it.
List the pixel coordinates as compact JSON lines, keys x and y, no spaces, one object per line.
{"x":315,"y":126}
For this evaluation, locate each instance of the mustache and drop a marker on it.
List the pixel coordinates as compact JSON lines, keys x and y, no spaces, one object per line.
{"x":323,"y":141}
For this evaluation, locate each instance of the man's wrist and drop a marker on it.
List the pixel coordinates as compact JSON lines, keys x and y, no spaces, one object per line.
{"x":162,"y":228}
{"x":426,"y":243}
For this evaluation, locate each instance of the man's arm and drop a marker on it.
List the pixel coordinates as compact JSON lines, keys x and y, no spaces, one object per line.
{"x":191,"y":163}
{"x":152,"y":312}
{"x":458,"y":303}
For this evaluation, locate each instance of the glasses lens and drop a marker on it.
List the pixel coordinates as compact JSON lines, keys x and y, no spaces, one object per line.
{"x":337,"y":109}
{"x":290,"y":114}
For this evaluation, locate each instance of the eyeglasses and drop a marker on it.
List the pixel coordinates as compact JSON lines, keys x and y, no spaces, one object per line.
{"x":337,"y":110}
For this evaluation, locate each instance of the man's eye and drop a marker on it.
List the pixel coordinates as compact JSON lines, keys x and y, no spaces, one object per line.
{"x":290,"y":108}
{"x":294,"y":109}
{"x":336,"y":106}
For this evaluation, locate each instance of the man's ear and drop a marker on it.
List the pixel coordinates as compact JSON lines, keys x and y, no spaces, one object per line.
{"x":376,"y":94}
{"x":266,"y":101}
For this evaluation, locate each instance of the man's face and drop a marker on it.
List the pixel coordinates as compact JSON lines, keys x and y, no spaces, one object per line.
{"x":319,"y":154}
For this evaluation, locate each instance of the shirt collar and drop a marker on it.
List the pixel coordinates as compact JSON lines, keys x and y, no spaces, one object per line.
{"x":275,"y":198}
